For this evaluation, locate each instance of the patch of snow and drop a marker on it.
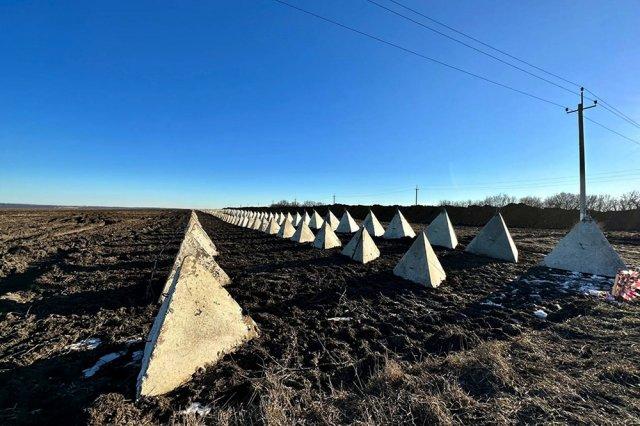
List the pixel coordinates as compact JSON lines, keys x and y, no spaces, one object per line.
{"x":86,"y":344}
{"x":104,"y":360}
{"x":492,"y":304}
{"x":197,"y":408}
{"x":339,"y":319}
{"x":540,"y":314}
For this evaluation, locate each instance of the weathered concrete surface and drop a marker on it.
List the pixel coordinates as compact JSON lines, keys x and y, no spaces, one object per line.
{"x":373,"y":225}
{"x":257,"y":224}
{"x":280,"y":218}
{"x":296,"y":219}
{"x":585,"y":249}
{"x":494,"y":240}
{"x":440,"y":232}
{"x":305,"y":218}
{"x":198,"y":323}
{"x":303,"y":234}
{"x":361,"y":247}
{"x":326,"y":238}
{"x":265,"y":225}
{"x":196,"y":242}
{"x":420,"y":264}
{"x":316,"y":220}
{"x":399,"y":228}
{"x":273,"y":227}
{"x":286,"y":229}
{"x":347,"y":224}
{"x":332,"y":220}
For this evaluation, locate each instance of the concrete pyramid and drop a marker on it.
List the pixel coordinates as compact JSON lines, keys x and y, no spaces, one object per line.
{"x":296,"y":219}
{"x":361,"y":248}
{"x":289,"y":217}
{"x":305,"y":218}
{"x":420,"y":264}
{"x":303,"y":234}
{"x":195,"y":231}
{"x":197,"y":324}
{"x":372,"y":224}
{"x":265,"y":225}
{"x":347,"y":224}
{"x":399,"y":228}
{"x":332,"y":220}
{"x":257,"y":223}
{"x":316,"y":221}
{"x":273,"y":227}
{"x":191,"y":247}
{"x":326,"y":238}
{"x":280,"y":218}
{"x":440,"y":232}
{"x":244,"y":222}
{"x":286,"y":229}
{"x":494,"y":240}
{"x":585,"y":249}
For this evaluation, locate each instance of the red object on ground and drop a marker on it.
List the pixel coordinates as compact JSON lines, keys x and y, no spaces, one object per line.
{"x":627,"y":285}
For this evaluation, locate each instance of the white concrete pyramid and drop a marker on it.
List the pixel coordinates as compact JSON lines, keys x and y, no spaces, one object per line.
{"x":286,"y":229}
{"x":347,"y":224}
{"x":257,"y":223}
{"x":305,"y":218}
{"x":585,"y":249}
{"x":420,"y":264}
{"x":399,"y":228}
{"x":197,"y":324}
{"x":289,"y":217}
{"x":372,"y":224}
{"x":326,"y":238}
{"x":280,"y":218}
{"x":265,"y":225}
{"x":245,"y":221}
{"x":296,"y":219}
{"x":316,"y":221}
{"x":494,"y":240}
{"x":303,"y":234}
{"x":440,"y":232}
{"x":332,"y":220}
{"x":273,"y":227}
{"x":361,"y":248}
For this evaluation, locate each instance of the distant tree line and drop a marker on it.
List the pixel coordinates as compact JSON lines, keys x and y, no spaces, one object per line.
{"x":562,"y":200}
{"x":286,"y":203}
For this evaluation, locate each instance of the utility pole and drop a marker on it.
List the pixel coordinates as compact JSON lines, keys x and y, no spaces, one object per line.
{"x":583,"y":185}
{"x":417,"y":189}
{"x":334,"y":199}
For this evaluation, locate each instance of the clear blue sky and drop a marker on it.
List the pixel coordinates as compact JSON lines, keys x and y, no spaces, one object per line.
{"x":214,"y":103}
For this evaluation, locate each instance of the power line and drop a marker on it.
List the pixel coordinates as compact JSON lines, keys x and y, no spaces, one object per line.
{"x":606,"y":105}
{"x":420,"y":55}
{"x":613,"y":131}
{"x":486,"y":44}
{"x":614,"y":110}
{"x":472,"y":47}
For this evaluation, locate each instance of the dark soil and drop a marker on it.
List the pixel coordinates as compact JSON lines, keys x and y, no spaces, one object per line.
{"x":340,"y":342}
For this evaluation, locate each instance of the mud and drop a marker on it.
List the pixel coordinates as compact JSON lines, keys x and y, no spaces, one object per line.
{"x":340,"y":342}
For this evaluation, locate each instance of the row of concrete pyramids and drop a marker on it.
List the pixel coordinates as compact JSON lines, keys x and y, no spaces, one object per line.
{"x":584,"y":249}
{"x":420,"y":264}
{"x":198,"y":320}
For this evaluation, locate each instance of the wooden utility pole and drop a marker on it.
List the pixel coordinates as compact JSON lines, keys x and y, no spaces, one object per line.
{"x":417,"y":194}
{"x":583,"y":184}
